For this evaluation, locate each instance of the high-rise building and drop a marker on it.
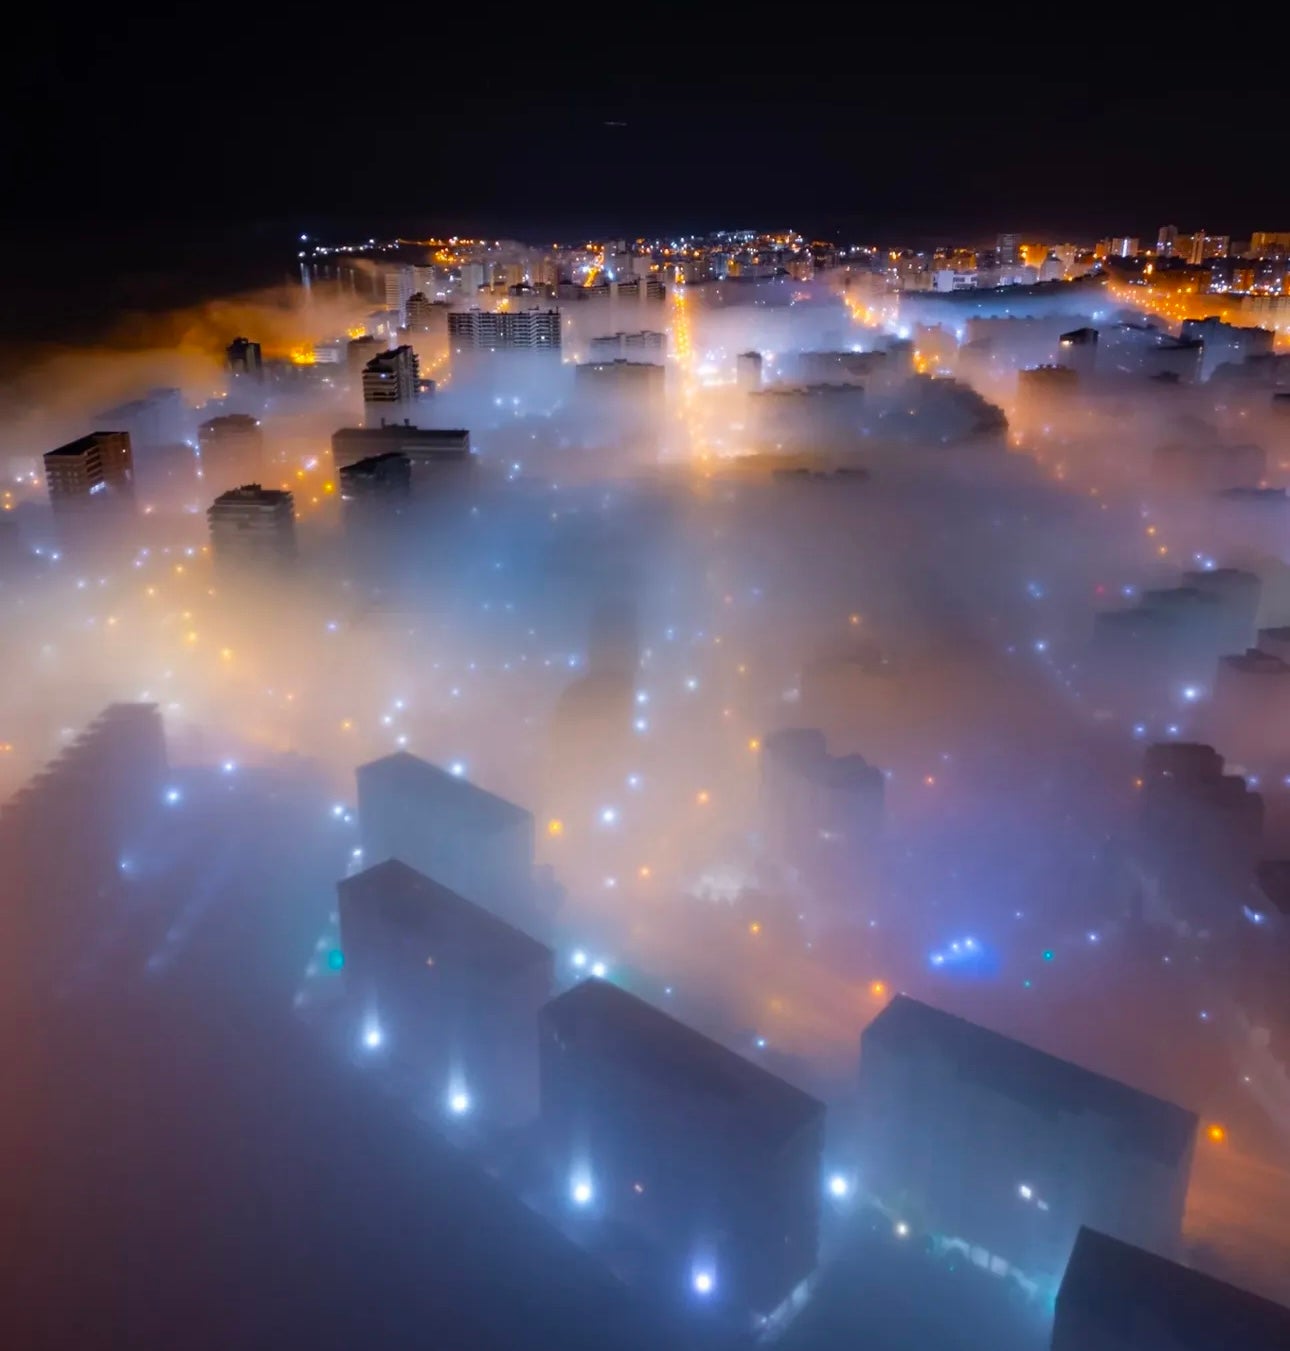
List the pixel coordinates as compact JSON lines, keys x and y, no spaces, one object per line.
{"x":94,"y":468}
{"x":748,"y":370}
{"x":388,"y":476}
{"x":504,"y":331}
{"x":972,"y":1136}
{"x":252,"y":524}
{"x":1167,"y":241}
{"x":243,"y":357}
{"x":398,"y":287}
{"x":155,"y":420}
{"x":1118,"y":1297}
{"x":709,"y":1158}
{"x":232,"y":450}
{"x":391,"y":386}
{"x":1007,"y":250}
{"x":441,"y":985}
{"x":1123,"y":246}
{"x":1226,"y":344}
{"x":419,"y":312}
{"x":1201,"y":246}
{"x":640,"y":379}
{"x":69,"y":840}
{"x":425,"y":448}
{"x":647,"y":345}
{"x":437,"y":821}
{"x":1269,"y":243}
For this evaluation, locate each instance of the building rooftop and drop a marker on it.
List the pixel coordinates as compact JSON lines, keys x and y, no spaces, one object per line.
{"x":606,"y":1022}
{"x":1254,"y":662}
{"x":82,"y":444}
{"x":253,"y":492}
{"x":1044,"y":1083}
{"x":452,"y":929}
{"x":408,"y":773}
{"x":1142,"y":1300}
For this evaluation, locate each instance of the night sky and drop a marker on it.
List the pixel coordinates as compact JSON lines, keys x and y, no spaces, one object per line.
{"x":924,"y":129}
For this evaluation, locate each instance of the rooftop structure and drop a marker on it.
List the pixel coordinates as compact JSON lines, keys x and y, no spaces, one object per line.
{"x":665,"y":1128}
{"x":976,"y":1136}
{"x":1118,"y":1297}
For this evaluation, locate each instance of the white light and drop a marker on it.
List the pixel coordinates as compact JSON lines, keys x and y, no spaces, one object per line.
{"x":228,"y":766}
{"x":608,"y":816}
{"x":459,"y":1103}
{"x":457,"y":768}
{"x":581,"y":1192}
{"x":579,"y":958}
{"x":1025,"y":1192}
{"x":372,"y":1038}
{"x":1191,"y":693}
{"x":598,"y":970}
{"x":838,"y":1186}
{"x":338,"y":810}
{"x":173,"y":795}
{"x":691,"y":684}
{"x":703,"y":1282}
{"x":902,"y":1230}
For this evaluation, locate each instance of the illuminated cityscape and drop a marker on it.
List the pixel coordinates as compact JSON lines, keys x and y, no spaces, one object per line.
{"x":677,"y":780}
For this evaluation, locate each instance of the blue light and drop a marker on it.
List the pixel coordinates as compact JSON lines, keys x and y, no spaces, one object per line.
{"x":703,"y":1281}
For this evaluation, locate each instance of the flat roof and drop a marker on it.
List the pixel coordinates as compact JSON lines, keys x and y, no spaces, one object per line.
{"x":604,"y":1021}
{"x":81,"y":445}
{"x":1044,"y":1083}
{"x":453,"y":928}
{"x":410,"y":774}
{"x":1146,"y":1300}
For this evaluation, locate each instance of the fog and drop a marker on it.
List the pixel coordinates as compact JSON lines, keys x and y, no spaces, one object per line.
{"x":893,"y":529}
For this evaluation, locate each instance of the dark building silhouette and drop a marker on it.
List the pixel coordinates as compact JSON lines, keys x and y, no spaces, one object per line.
{"x":974,"y":1137}
{"x":708,"y":1158}
{"x":445,"y":987}
{"x":467,"y":839}
{"x":1116,"y":1297}
{"x":242,"y":356}
{"x":385,"y":477}
{"x":253,"y":525}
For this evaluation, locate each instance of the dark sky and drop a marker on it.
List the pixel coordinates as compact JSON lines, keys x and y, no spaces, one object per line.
{"x":936,"y":127}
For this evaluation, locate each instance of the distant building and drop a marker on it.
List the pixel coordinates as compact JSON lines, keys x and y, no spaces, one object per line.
{"x":155,"y":420}
{"x":477,"y":844}
{"x":94,"y":468}
{"x":420,"y":313}
{"x":391,"y":386}
{"x":1249,"y":712}
{"x":710,"y":1160}
{"x":1122,"y":246}
{"x":428,"y":450}
{"x":642,"y":380}
{"x":71,"y":838}
{"x":748,"y":370}
{"x":252,"y":524}
{"x":821,"y":814}
{"x":1008,"y":250}
{"x":232,"y":449}
{"x":1226,"y":344}
{"x":1078,"y":349}
{"x":1269,"y":243}
{"x":385,"y":476}
{"x":398,"y":288}
{"x":646,"y":345}
{"x":447,"y":988}
{"x":1118,"y":1297}
{"x":1199,"y":833}
{"x":973,"y":1137}
{"x":359,"y":351}
{"x":242,"y":356}
{"x":1167,"y":241}
{"x":504,"y":331}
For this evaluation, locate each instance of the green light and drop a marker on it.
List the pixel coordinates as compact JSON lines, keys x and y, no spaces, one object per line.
{"x":1026,"y":983}
{"x":335,"y":959}
{"x":1048,"y":954}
